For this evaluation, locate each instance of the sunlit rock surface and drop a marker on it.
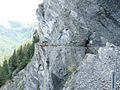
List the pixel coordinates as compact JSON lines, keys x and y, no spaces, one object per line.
{"x":84,"y":40}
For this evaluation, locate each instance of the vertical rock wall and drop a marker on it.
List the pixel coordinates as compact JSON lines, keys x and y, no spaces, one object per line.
{"x":79,"y":32}
{"x":83,"y":45}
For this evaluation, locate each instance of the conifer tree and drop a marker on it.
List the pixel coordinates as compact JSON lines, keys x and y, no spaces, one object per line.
{"x":18,"y":61}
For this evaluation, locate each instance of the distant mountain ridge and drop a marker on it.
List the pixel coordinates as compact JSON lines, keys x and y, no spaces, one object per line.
{"x":13,"y":34}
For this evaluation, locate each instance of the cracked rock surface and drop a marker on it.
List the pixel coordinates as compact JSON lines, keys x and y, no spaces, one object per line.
{"x":83,"y":45}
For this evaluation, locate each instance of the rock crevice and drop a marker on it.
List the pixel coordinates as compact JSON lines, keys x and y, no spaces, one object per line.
{"x":83,"y":44}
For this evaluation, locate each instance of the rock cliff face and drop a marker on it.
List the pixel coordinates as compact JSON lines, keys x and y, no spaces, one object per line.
{"x":84,"y":40}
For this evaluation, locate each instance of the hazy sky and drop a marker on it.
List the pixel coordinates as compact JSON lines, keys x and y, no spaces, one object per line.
{"x":19,"y":10}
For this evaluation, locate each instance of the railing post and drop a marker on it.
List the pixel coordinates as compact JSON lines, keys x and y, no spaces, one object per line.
{"x":113,"y":81}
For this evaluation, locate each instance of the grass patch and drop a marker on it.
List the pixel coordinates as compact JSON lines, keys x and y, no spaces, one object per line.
{"x":38,"y":85}
{"x":72,"y":68}
{"x":118,"y":6}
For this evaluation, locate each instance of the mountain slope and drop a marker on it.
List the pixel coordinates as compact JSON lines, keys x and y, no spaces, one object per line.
{"x":13,"y":34}
{"x":83,"y":47}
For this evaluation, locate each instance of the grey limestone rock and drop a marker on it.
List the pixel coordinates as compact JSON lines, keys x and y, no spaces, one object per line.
{"x":83,"y":45}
